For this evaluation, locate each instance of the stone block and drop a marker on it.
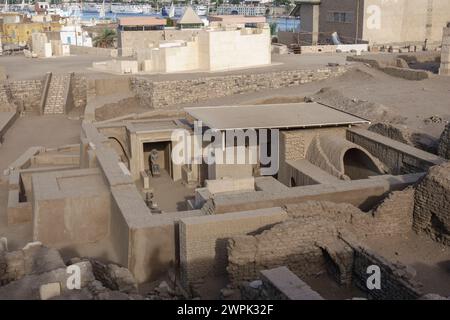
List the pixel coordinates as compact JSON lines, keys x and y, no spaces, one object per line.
{"x":49,"y":290}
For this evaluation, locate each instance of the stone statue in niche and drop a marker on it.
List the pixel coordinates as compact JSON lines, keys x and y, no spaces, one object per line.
{"x":154,"y":167}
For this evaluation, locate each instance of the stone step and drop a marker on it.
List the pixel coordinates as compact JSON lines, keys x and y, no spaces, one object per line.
{"x":55,"y":96}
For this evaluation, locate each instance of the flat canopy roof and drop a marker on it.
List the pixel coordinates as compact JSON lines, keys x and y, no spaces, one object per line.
{"x":271,"y":116}
{"x":142,"y":21}
{"x":237,"y":18}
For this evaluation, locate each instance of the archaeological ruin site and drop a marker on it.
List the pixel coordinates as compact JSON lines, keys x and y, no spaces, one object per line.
{"x":331,"y":178}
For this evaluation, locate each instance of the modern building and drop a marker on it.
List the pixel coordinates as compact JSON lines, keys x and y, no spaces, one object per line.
{"x":237,"y":20}
{"x":138,"y":32}
{"x":207,"y":49}
{"x":141,"y":24}
{"x":20,"y":33}
{"x":75,"y":35}
{"x":376,"y":21}
{"x":246,"y":10}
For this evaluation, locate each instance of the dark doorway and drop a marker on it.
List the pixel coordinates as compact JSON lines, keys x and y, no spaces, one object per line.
{"x":358,"y":165}
{"x":163,"y":158}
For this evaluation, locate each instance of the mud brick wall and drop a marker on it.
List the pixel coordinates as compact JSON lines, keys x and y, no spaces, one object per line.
{"x":299,"y":242}
{"x":162,"y":94}
{"x":396,"y":282}
{"x":432,"y":204}
{"x":444,"y":143}
{"x":395,"y":214}
{"x":292,"y":243}
{"x":25,"y":94}
{"x":203,"y":239}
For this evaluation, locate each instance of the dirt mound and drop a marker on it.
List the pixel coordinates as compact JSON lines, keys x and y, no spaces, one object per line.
{"x":120,"y":108}
{"x":405,"y":135}
{"x":357,"y":74}
{"x":364,"y":109}
{"x":279,"y":99}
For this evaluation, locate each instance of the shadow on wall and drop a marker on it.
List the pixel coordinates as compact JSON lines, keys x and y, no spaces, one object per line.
{"x":357,"y":165}
{"x":435,"y":277}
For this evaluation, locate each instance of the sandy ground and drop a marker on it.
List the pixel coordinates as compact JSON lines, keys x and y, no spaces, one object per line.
{"x":170,"y":195}
{"x":415,"y":100}
{"x":28,"y":131}
{"x":18,"y":67}
{"x":431,"y":260}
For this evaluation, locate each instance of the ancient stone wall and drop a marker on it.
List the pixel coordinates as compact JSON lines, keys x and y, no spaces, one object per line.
{"x":396,"y":279}
{"x":393,"y":132}
{"x":291,"y":244}
{"x":161,"y":94}
{"x":203,"y":240}
{"x":79,"y":91}
{"x":432,"y":205}
{"x":25,"y":94}
{"x":300,"y":243}
{"x":405,"y":135}
{"x":395,"y":214}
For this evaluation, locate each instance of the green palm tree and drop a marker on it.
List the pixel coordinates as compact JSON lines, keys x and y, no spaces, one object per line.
{"x":105,"y":39}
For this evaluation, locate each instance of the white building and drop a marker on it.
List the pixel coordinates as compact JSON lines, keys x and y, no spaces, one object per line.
{"x":74,"y":35}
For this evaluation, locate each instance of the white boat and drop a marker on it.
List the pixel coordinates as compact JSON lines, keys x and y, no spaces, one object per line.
{"x":73,"y":10}
{"x":121,"y":8}
{"x":147,"y":9}
{"x":172,"y":11}
{"x":6,"y":7}
{"x":91,"y":7}
{"x":201,"y":10}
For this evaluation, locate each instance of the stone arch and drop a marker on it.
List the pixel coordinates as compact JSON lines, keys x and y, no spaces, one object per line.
{"x":343,"y":158}
{"x":120,"y":147}
{"x":358,"y":165}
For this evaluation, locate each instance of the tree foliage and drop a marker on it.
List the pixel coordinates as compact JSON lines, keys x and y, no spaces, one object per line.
{"x":105,"y":39}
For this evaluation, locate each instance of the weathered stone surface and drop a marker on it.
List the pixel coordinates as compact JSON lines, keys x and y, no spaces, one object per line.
{"x":313,"y":229}
{"x":396,"y":282}
{"x":161,"y":94}
{"x":444,"y":143}
{"x":432,"y":204}
{"x":23,"y":94}
{"x":32,"y":259}
{"x":28,"y":287}
{"x":114,"y":277}
{"x":49,"y":290}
